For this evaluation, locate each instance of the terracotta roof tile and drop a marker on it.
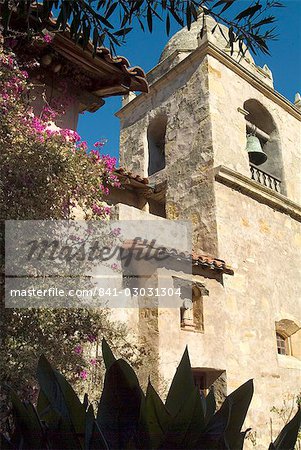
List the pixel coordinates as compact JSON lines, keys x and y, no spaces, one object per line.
{"x":120,"y":171}
{"x":135,"y":75}
{"x":197,"y":259}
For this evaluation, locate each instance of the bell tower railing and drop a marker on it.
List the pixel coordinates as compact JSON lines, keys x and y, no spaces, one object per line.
{"x":265,"y":178}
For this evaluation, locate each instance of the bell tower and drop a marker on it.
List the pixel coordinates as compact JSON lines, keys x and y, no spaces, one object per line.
{"x":204,"y":109}
{"x":227,"y":147}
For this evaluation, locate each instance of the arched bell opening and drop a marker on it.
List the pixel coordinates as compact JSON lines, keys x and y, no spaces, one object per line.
{"x":263,"y":146}
{"x":156,"y":144}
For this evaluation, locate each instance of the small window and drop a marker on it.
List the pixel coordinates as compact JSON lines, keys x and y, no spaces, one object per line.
{"x":288,"y":337}
{"x":282,"y":344}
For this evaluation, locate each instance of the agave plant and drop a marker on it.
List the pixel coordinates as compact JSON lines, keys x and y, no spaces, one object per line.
{"x":129,"y":419}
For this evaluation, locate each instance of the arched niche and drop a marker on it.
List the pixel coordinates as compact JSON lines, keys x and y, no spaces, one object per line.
{"x":156,"y":144}
{"x":267,"y":132}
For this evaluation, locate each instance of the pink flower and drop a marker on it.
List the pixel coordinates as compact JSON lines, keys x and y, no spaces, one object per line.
{"x":37,"y":125}
{"x":105,"y":190}
{"x":78,"y":349}
{"x":70,"y":135}
{"x":91,"y":338}
{"x":101,"y":210}
{"x":48,"y":113}
{"x":83,"y":374}
{"x":47,"y":38}
{"x":83,"y":145}
{"x":100,"y":143}
{"x":93,"y":362}
{"x":96,"y":209}
{"x":116,"y":231}
{"x":109,"y":162}
{"x":96,"y":154}
{"x":114,"y":266}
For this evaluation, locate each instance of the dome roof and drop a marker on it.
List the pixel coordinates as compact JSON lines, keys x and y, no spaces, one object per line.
{"x":188,"y":40}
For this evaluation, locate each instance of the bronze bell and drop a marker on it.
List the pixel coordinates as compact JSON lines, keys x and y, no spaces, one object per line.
{"x":255,"y":152}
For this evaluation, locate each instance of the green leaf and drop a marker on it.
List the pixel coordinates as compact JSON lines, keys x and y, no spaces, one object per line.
{"x":261,"y":43}
{"x":267,"y":20}
{"x":105,"y":21}
{"x":74,"y":24}
{"x":95,"y":40}
{"x":119,"y":406}
{"x":89,"y":427}
{"x":210,"y":406}
{"x":226,"y":3}
{"x":224,"y":429}
{"x":176,"y":16}
{"x":98,"y":441}
{"x":249,"y":12}
{"x":61,"y":396}
{"x":288,"y":436}
{"x":167,"y":24}
{"x":27,"y":423}
{"x":182,"y":385}
{"x":122,"y":32}
{"x":107,"y":354}
{"x":86,"y":401}
{"x":86,"y":34}
{"x":111,"y":9}
{"x":149,"y":19}
{"x":236,"y":407}
{"x":153,"y":421}
{"x":188,"y":15}
{"x":185,"y":428}
{"x":194,"y":12}
{"x":5,"y":444}
{"x":46,"y":412}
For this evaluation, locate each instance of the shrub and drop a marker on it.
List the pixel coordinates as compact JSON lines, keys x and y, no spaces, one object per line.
{"x":128,"y":419}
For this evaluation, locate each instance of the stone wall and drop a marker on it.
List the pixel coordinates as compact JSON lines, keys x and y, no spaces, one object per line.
{"x":203,"y":97}
{"x":264,"y":248}
{"x":188,"y":147}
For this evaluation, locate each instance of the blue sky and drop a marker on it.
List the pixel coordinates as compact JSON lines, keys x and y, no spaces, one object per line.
{"x":144,"y":49}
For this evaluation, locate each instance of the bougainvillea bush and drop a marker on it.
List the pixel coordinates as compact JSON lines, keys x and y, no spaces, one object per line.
{"x":47,"y":173}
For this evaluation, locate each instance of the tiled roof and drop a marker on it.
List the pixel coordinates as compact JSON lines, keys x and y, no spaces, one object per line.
{"x":136,"y":72}
{"x":121,"y":172}
{"x":122,"y":76}
{"x":196,"y":258}
{"x":119,"y":77}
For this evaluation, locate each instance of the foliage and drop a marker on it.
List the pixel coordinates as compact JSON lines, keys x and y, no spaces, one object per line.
{"x":45,"y":172}
{"x":126,"y":418}
{"x":97,"y":19}
{"x":69,"y":339}
{"x":285,"y":413}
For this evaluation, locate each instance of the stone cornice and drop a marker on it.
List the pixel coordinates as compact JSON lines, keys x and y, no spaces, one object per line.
{"x":210,"y":49}
{"x":244,"y":73}
{"x":257,"y":191}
